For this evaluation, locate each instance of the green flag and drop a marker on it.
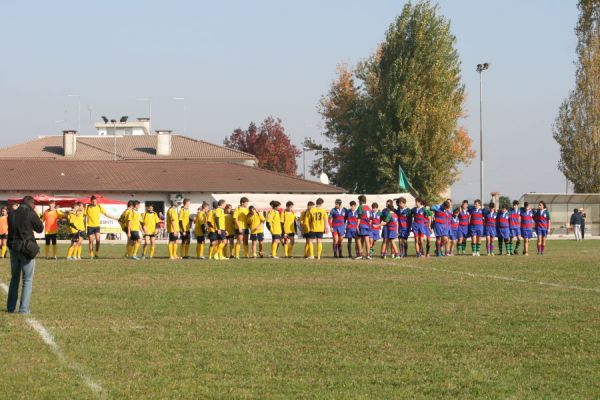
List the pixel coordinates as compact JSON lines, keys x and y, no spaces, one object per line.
{"x":403,"y":183}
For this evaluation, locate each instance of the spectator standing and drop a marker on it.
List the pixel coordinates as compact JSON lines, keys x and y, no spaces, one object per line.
{"x":22,"y":222}
{"x":583,"y":216}
{"x":575,"y":222}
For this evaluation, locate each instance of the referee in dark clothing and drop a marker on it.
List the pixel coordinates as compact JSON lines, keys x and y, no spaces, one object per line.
{"x":22,"y":222}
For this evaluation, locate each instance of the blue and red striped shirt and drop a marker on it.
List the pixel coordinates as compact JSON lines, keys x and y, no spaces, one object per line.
{"x":351,"y":219}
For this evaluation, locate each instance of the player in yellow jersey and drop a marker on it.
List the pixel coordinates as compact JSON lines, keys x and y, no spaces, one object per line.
{"x":305,"y":225}
{"x":3,"y":231}
{"x":92,"y":220}
{"x":218,"y":233}
{"x":173,"y":230}
{"x":318,"y":225}
{"x":200,"y":229}
{"x":184,"y":228}
{"x":76,"y":227}
{"x":230,"y":229}
{"x":50,"y":218}
{"x":255,"y":222}
{"x":149,"y":221}
{"x":134,"y":231}
{"x":241,"y":229}
{"x":211,"y":229}
{"x":274,"y":225}
{"x":288,"y":221}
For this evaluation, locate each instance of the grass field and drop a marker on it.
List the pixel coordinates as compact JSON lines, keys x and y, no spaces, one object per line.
{"x":461,"y":327}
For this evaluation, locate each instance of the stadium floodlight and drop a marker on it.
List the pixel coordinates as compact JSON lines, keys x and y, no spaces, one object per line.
{"x":480,"y":68}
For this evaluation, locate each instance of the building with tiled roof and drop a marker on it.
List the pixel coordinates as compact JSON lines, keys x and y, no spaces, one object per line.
{"x":131,"y":147}
{"x":153,"y":168}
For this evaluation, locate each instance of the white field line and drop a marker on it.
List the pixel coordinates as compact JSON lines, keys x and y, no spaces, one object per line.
{"x":49,"y":340}
{"x":506,"y":278}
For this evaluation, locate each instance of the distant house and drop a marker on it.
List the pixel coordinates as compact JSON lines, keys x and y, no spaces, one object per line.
{"x":136,"y":164}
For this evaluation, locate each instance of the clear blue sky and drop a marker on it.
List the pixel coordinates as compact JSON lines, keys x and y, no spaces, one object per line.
{"x":239,"y":61}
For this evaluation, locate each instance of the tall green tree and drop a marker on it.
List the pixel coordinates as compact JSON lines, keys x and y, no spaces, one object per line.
{"x":577,"y":127}
{"x":399,"y":107}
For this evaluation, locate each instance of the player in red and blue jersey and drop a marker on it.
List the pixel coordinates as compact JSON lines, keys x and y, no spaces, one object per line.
{"x":514,"y":222}
{"x":453,"y":232}
{"x":420,"y":225}
{"x":404,"y":225}
{"x":384,"y":214}
{"x":476,"y":226}
{"x":363,"y":244}
{"x":390,"y":231}
{"x":542,"y":226}
{"x":337,"y":222}
{"x":375,"y":226}
{"x":526,"y":226}
{"x":489,"y":229}
{"x":441,"y":218}
{"x":503,"y":230}
{"x":351,"y":218}
{"x":429,"y":215}
{"x":464,"y":218}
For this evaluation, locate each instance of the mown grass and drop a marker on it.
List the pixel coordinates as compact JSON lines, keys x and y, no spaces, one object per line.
{"x":412,"y":328}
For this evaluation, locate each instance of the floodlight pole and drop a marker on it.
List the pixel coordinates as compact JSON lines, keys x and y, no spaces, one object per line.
{"x":480,"y":68}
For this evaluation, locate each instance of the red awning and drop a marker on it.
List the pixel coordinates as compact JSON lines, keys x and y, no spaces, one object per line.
{"x":100,"y":199}
{"x":44,"y":199}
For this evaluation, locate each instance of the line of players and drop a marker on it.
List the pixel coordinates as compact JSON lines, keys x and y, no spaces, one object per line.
{"x":230,"y":230}
{"x":451,"y":227}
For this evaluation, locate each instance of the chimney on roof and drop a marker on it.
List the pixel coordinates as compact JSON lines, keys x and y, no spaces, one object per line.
{"x":69,"y":143}
{"x":163,"y":143}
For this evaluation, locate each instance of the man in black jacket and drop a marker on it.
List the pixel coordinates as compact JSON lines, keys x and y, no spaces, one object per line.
{"x":22,"y":222}
{"x":575,"y":222}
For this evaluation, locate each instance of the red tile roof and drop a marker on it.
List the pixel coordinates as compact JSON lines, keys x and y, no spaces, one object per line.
{"x":139,"y":147}
{"x":69,"y":176}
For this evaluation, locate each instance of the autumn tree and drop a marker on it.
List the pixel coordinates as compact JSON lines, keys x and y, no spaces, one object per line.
{"x":577,"y":127}
{"x":269,"y":143}
{"x":399,"y":107}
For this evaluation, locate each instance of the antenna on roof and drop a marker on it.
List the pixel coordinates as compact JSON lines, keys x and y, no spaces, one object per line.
{"x":105,"y":119}
{"x":123,"y":119}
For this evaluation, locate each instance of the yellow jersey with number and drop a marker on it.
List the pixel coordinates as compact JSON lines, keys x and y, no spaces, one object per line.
{"x":240,"y":214}
{"x":317,"y":218}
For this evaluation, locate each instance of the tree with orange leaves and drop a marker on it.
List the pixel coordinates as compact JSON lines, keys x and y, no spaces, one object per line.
{"x":399,"y":107}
